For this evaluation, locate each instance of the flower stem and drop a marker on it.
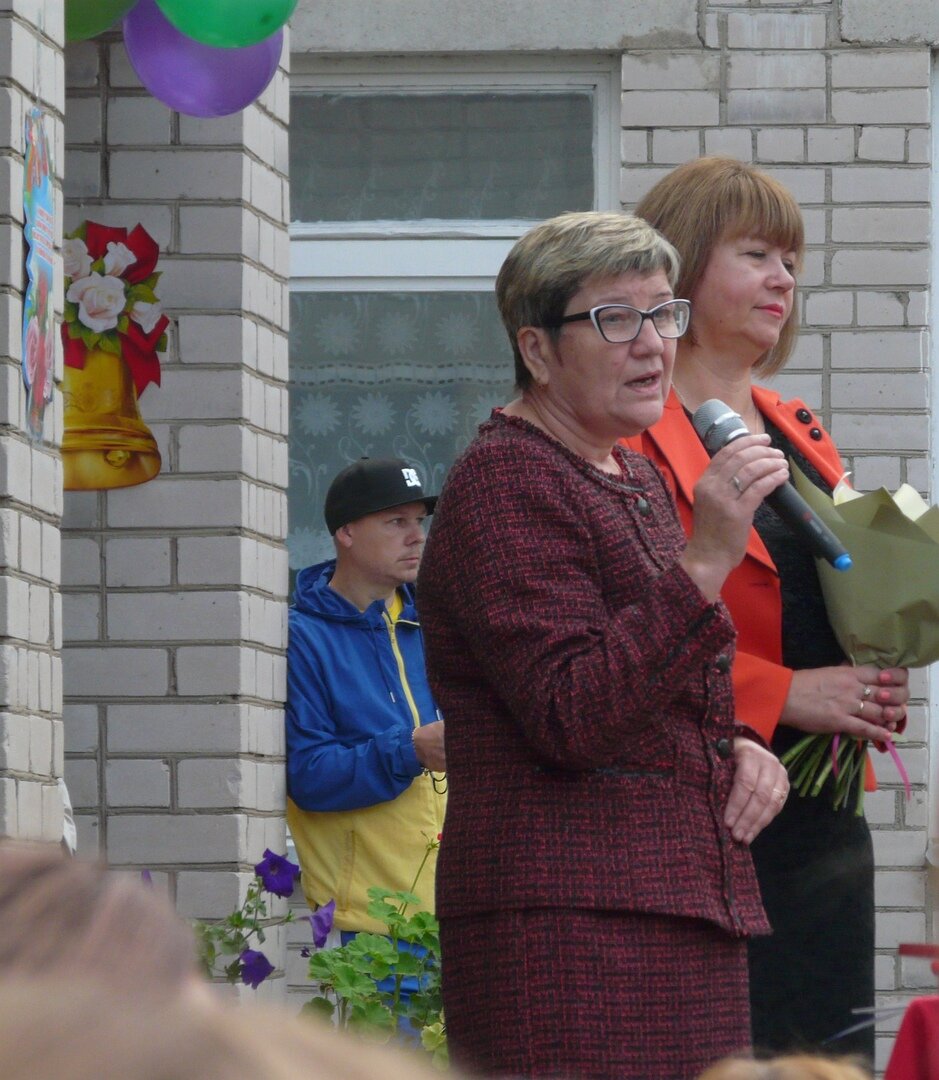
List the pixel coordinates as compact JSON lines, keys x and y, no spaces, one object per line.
{"x":420,"y":870}
{"x":254,"y":897}
{"x":795,"y":752}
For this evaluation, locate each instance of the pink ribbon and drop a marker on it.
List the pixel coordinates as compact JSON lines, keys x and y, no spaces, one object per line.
{"x":904,"y":776}
{"x":891,"y":750}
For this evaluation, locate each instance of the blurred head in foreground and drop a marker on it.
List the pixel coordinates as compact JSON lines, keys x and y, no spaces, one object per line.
{"x":67,"y":918}
{"x":84,"y":1031}
{"x":794,"y":1067}
{"x":99,"y":980}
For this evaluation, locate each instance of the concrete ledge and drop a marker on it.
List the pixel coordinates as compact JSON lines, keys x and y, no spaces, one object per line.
{"x":454,"y":26}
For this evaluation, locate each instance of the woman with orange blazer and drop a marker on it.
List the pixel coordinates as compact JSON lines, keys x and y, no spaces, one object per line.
{"x":740,"y":237}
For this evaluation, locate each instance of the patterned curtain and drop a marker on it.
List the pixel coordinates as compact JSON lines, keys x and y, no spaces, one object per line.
{"x":409,"y":375}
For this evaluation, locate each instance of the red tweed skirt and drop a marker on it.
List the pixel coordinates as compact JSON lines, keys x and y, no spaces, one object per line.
{"x":578,"y":993}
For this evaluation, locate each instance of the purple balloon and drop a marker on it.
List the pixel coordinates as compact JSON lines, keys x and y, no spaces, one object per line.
{"x":193,"y":78}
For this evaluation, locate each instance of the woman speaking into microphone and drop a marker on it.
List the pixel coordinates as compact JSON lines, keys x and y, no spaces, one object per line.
{"x":594,"y":886}
{"x":739,"y":234}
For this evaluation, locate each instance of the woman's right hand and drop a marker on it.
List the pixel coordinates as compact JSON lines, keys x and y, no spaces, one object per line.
{"x":863,"y":701}
{"x":737,"y":480}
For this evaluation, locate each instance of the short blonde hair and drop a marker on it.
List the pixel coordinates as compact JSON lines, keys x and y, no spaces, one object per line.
{"x":556,"y":258}
{"x":791,"y":1067}
{"x":712,"y":199}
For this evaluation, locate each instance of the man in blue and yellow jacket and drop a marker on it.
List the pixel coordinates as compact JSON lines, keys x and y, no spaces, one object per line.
{"x":365,"y":752}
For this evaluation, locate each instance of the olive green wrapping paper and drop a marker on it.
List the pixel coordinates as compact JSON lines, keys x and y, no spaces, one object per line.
{"x":885,"y":609}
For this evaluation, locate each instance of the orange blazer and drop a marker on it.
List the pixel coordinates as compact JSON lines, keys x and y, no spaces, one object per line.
{"x":751,"y":591}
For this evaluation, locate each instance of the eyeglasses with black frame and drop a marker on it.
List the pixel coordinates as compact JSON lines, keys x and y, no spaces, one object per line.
{"x":620,"y":323}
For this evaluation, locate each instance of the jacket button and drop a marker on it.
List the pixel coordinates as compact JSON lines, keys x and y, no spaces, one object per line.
{"x":722,"y":663}
{"x":816,"y":434}
{"x":804,"y":415}
{"x":643,"y":507}
{"x":724,"y":748}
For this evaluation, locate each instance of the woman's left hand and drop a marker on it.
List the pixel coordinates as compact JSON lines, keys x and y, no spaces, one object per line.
{"x":758,"y":793}
{"x":863,"y":701}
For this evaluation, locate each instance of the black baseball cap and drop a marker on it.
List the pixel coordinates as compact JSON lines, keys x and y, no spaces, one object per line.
{"x":370,"y":485}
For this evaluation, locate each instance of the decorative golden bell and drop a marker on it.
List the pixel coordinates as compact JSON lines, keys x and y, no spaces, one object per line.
{"x":105,"y":444}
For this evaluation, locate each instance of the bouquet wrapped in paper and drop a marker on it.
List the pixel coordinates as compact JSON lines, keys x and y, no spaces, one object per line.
{"x":883,"y":611}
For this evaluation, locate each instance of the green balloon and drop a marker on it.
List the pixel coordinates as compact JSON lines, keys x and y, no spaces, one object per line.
{"x":85,"y":18}
{"x":228,"y":24}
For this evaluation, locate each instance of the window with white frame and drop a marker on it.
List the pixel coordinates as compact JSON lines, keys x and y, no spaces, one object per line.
{"x":408,"y":187}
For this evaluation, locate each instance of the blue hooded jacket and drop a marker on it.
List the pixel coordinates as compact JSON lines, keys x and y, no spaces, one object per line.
{"x":349,"y":720}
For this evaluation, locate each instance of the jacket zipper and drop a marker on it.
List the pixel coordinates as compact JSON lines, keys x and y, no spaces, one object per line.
{"x":402,"y":673}
{"x":409,"y":697}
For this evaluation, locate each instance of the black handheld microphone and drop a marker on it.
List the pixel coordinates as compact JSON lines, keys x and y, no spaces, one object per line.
{"x":717,"y":425}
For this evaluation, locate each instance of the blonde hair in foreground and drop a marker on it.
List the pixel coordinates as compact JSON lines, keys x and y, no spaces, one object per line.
{"x":712,"y":199}
{"x":70,"y":918}
{"x":554,"y":259}
{"x":794,"y":1067}
{"x":81,"y":1031}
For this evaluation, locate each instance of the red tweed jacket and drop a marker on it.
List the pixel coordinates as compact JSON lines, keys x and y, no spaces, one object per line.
{"x":586,"y":688}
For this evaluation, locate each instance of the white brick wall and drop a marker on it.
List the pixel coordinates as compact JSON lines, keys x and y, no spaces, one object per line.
{"x":175,"y":591}
{"x":31,"y":38}
{"x":748,"y":29}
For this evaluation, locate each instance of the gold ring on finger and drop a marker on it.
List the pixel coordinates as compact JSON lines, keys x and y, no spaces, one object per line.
{"x":736,"y":484}
{"x":861,"y":704}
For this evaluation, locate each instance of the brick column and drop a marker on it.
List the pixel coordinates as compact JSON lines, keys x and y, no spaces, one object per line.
{"x":175,"y":591}
{"x":31,"y":744}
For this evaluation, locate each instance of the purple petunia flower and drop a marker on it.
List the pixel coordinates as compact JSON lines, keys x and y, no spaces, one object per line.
{"x":322,"y":922}
{"x":255,"y":968}
{"x":277,"y":873}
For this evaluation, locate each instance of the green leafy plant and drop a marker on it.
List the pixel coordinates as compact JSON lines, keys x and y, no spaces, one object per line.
{"x":235,"y":935}
{"x":361,"y":983}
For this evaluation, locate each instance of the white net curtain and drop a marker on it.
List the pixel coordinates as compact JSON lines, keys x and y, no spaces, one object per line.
{"x":407,"y":375}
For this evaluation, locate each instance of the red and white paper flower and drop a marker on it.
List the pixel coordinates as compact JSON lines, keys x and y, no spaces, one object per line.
{"x":110,"y":303}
